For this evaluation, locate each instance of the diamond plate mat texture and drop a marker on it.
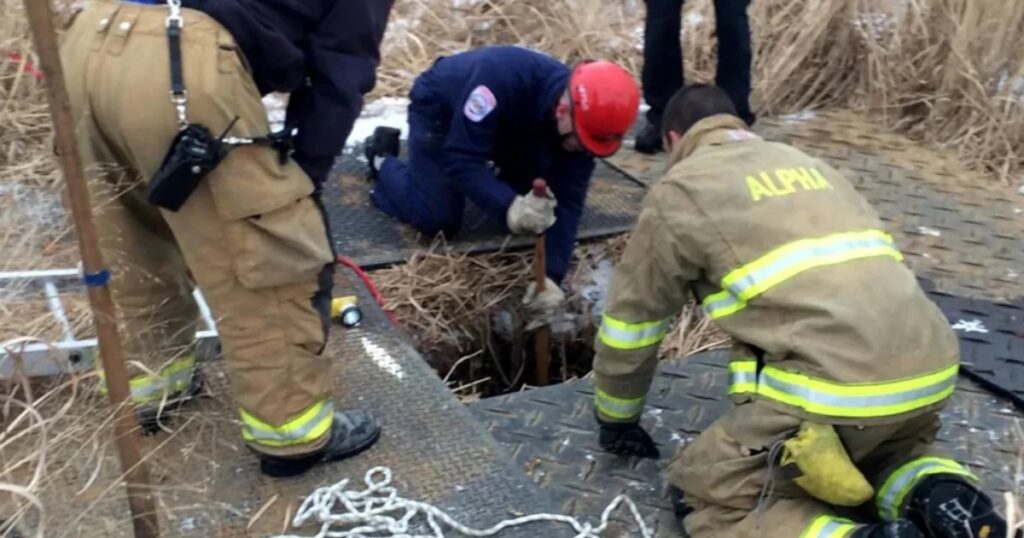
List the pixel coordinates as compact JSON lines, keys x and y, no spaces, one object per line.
{"x":210,"y":485}
{"x":991,"y":341}
{"x":552,"y":434}
{"x":957,"y":228}
{"x":373,"y":239}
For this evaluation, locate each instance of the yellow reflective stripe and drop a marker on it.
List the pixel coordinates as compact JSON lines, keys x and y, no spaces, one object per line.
{"x":305,"y":428}
{"x":619,"y":334}
{"x":744,"y":283}
{"x":829,"y":527}
{"x":903,"y":480}
{"x":620,"y":408}
{"x":864,"y":400}
{"x":173,"y":378}
{"x":723,"y":304}
{"x":742,"y":376}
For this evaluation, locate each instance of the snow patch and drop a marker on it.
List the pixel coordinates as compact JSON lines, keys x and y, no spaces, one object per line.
{"x":1010,"y":273}
{"x":387,"y":112}
{"x":924,"y":230}
{"x":802,"y":116}
{"x":277,"y":106}
{"x":596,"y":292}
{"x":693,"y":20}
{"x":972,"y":326}
{"x":383,"y":359}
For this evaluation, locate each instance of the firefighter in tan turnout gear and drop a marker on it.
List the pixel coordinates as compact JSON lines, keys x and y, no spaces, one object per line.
{"x":842,"y":364}
{"x":244,"y":225}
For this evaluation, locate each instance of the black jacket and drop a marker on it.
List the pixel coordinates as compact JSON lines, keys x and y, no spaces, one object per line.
{"x":324,"y":52}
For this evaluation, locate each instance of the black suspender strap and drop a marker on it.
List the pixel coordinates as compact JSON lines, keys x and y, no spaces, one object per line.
{"x":179,"y":95}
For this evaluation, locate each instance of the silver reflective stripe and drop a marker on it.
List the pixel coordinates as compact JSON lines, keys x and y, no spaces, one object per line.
{"x":296,"y":434}
{"x":739,"y":378}
{"x":722,"y":304}
{"x":636,"y":335}
{"x":796,"y":258}
{"x":815,"y":397}
{"x":834,"y":529}
{"x":618,"y":407}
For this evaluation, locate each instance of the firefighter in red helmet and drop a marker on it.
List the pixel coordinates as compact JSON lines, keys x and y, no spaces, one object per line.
{"x":483,"y":125}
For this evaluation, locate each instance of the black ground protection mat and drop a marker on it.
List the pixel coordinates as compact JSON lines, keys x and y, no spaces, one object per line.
{"x":372,"y":239}
{"x":552,"y":435}
{"x":991,"y":340}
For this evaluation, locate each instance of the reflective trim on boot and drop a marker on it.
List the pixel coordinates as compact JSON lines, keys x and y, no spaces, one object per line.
{"x":351,"y":433}
{"x":173,"y":379}
{"x":306,"y":428}
{"x":892,"y":496}
{"x":826,"y":526}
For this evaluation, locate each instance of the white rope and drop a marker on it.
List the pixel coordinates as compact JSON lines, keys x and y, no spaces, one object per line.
{"x":379,"y":512}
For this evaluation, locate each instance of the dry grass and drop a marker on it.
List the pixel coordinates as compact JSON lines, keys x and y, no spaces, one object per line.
{"x":948,"y":72}
{"x":464,"y":314}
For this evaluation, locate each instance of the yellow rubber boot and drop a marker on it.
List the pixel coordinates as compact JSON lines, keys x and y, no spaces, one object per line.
{"x":823,"y":467}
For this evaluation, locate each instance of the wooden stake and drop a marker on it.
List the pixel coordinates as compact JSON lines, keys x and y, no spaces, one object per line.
{"x":542,"y":370}
{"x":140,"y":500}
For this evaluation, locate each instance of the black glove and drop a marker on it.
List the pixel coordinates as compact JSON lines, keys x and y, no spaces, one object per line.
{"x":627,"y":439}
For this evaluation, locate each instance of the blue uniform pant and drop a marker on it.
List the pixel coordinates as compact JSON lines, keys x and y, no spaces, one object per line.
{"x":419,"y":192}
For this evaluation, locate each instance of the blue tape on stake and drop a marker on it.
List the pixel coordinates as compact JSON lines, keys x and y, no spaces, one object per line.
{"x":94,"y":280}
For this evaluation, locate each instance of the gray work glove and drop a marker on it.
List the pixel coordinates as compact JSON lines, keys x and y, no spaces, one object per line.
{"x":530,"y":214}
{"x":542,"y":308}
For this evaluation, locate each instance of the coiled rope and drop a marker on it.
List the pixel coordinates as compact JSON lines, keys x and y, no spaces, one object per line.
{"x":379,"y":512}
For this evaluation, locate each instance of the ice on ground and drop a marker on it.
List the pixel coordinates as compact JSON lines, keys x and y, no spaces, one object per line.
{"x":924,"y":230}
{"x":276,"y":105}
{"x":387,"y":111}
{"x":596,"y":292}
{"x":693,"y":20}
{"x":803,"y":115}
{"x":970,"y":326}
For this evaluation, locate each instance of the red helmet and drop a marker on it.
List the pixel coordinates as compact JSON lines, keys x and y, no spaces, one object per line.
{"x":604,"y":101}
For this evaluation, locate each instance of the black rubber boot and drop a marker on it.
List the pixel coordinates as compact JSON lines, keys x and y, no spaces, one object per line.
{"x":895,"y":529}
{"x":154,"y":415}
{"x":385,"y":142}
{"x":649,"y":139}
{"x":947,"y":506}
{"x":351,"y":433}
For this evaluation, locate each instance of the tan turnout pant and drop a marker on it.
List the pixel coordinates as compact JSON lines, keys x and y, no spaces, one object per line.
{"x":723,"y":472}
{"x":251,"y":236}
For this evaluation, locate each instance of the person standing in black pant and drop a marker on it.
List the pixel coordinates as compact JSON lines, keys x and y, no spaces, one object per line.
{"x":663,"y":61}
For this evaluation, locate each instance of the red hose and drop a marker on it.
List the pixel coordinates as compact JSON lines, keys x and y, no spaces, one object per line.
{"x":26,"y":65}
{"x":347,"y":262}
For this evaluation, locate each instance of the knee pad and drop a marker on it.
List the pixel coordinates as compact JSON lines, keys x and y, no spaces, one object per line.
{"x":947,"y":506}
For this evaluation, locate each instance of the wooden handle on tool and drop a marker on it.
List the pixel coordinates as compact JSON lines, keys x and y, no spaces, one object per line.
{"x":542,"y":375}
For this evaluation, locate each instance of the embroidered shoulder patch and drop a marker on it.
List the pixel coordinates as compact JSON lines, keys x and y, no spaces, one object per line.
{"x":479,"y":104}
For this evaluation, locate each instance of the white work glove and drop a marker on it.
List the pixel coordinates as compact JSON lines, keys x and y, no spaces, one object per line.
{"x":543,"y":308}
{"x":531,"y":214}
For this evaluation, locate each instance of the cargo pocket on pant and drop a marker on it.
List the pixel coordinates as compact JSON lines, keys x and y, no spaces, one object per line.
{"x":285,"y":246}
{"x":278,"y":233}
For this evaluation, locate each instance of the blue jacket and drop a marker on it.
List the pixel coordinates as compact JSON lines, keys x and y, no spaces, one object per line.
{"x":510,"y":123}
{"x":323,"y":52}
